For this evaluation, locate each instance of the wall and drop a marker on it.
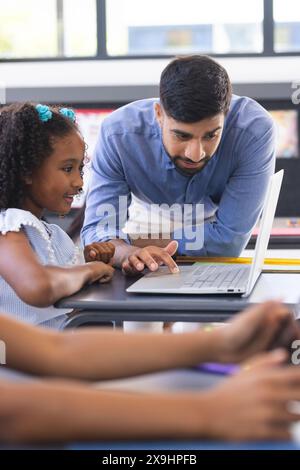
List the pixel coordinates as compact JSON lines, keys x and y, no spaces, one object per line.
{"x":125,"y":80}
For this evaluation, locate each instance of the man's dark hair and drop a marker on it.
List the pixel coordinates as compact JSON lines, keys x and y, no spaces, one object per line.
{"x":194,"y":87}
{"x":25,"y":141}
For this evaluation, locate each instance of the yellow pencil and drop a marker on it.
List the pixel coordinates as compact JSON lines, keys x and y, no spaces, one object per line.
{"x":278,"y":261}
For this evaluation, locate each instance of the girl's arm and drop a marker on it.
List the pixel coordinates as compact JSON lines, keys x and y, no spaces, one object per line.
{"x":98,"y":353}
{"x":40,"y":285}
{"x":57,"y":411}
{"x":251,"y":406}
{"x":105,"y":354}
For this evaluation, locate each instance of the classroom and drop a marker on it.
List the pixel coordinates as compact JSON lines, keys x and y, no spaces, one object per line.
{"x":149,"y":227}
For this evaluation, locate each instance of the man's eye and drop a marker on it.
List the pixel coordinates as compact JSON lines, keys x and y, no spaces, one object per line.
{"x":181,"y":137}
{"x":211,"y":137}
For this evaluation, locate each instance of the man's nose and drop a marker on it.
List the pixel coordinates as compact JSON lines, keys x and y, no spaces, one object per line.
{"x":194,"y":151}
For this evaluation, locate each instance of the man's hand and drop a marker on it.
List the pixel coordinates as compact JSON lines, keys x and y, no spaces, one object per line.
{"x":99,"y":252}
{"x":150,"y":257}
{"x":263,"y":327}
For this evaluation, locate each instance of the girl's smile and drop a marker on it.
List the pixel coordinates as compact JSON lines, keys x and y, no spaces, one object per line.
{"x":58,"y":180}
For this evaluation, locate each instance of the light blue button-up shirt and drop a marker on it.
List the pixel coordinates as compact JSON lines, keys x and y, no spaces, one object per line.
{"x":130,"y":159}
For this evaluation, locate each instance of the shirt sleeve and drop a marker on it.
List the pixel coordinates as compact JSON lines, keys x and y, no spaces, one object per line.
{"x":109,"y":196}
{"x":14,"y":220}
{"x":242,"y":200}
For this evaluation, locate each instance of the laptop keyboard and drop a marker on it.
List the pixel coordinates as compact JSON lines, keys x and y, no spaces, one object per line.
{"x":218,"y":276}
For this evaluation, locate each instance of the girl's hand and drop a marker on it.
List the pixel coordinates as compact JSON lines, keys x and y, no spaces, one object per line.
{"x":99,"y":251}
{"x":100,"y":272}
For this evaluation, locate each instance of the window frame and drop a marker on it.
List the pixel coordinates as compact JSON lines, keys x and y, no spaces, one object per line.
{"x":268,"y":43}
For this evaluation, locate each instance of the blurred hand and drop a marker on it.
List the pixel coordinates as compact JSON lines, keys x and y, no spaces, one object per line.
{"x":253,"y":404}
{"x":260,"y":328}
{"x":99,"y":251}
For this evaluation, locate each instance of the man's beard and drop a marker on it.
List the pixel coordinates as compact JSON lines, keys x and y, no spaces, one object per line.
{"x":187,"y":171}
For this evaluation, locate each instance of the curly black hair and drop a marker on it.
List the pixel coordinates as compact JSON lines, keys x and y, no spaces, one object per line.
{"x":25,"y":141}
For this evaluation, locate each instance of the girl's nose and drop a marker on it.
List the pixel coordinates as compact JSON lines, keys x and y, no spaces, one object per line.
{"x":77,"y":182}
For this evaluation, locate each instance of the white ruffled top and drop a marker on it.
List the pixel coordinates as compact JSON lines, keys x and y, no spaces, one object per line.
{"x":52,"y":246}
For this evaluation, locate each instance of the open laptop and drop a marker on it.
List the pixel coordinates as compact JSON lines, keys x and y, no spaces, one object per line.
{"x":217,"y":278}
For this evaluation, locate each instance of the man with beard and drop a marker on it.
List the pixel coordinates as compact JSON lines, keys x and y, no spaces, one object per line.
{"x":196,"y":144}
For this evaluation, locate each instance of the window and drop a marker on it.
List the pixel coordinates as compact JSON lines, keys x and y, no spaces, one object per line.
{"x":47,"y":29}
{"x":286,"y":26}
{"x":103,"y":29}
{"x":183,"y":26}
{"x":80,"y":28}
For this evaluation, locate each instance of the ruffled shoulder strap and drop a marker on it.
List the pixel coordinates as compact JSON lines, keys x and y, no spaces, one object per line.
{"x":12,"y":220}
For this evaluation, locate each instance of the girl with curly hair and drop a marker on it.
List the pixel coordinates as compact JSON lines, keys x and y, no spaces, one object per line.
{"x":41,"y":162}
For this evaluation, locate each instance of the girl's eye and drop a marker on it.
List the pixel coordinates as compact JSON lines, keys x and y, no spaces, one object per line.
{"x":68,"y":169}
{"x":81,"y":171}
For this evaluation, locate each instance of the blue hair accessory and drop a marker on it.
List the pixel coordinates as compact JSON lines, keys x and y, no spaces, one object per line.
{"x":44,"y":112}
{"x":69,"y":113}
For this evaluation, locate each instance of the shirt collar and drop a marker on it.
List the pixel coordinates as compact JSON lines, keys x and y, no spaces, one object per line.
{"x":166,"y":160}
{"x":167,"y":163}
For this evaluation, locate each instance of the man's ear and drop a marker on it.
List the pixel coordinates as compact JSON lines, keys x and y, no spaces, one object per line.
{"x":158,"y":113}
